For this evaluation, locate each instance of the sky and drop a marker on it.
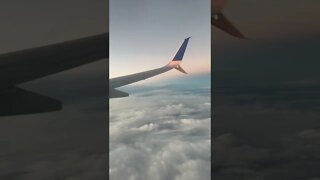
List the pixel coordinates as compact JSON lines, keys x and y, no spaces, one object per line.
{"x":270,"y":83}
{"x":67,"y":144}
{"x":162,"y":130}
{"x":146,"y":34}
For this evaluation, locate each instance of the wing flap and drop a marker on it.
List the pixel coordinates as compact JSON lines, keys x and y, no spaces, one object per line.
{"x":17,"y":101}
{"x":114,"y":93}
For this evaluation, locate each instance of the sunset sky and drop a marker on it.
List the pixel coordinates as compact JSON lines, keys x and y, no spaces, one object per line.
{"x":146,"y":34}
{"x":266,"y":92}
{"x":162,"y":130}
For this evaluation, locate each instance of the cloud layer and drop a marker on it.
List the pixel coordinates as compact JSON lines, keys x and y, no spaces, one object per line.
{"x":161,"y":134}
{"x":270,"y":134}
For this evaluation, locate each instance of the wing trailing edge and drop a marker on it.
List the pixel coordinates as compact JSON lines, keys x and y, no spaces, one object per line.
{"x":17,"y":101}
{"x":114,"y":93}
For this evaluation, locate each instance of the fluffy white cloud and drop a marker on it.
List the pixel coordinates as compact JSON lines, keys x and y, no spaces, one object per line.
{"x":161,"y":136}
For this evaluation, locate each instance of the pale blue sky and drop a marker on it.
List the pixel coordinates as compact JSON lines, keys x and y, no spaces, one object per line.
{"x":145,"y":34}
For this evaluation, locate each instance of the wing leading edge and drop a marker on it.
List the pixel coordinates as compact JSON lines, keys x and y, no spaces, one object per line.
{"x":27,"y":65}
{"x":129,"y":79}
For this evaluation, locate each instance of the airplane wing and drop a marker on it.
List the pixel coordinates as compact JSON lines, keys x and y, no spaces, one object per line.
{"x":129,"y":79}
{"x":27,"y":65}
{"x":17,"y":101}
{"x":221,"y":22}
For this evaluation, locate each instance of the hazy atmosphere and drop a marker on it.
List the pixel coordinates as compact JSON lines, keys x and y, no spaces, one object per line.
{"x":266,"y":101}
{"x":68,"y":144}
{"x":146,"y":34}
{"x":162,"y":130}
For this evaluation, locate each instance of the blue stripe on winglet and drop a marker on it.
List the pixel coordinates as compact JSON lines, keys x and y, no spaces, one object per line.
{"x":180,"y":53}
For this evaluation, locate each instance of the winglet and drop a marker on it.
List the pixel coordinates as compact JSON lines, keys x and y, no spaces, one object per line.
{"x":179,"y":55}
{"x":175,"y":63}
{"x":220,"y":21}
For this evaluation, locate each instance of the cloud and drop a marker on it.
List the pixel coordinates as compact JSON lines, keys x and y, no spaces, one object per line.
{"x":266,"y":98}
{"x":266,"y":131}
{"x":79,"y":166}
{"x":267,"y":136}
{"x":67,"y":144}
{"x":296,"y":157}
{"x":56,"y":147}
{"x":165,"y":135}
